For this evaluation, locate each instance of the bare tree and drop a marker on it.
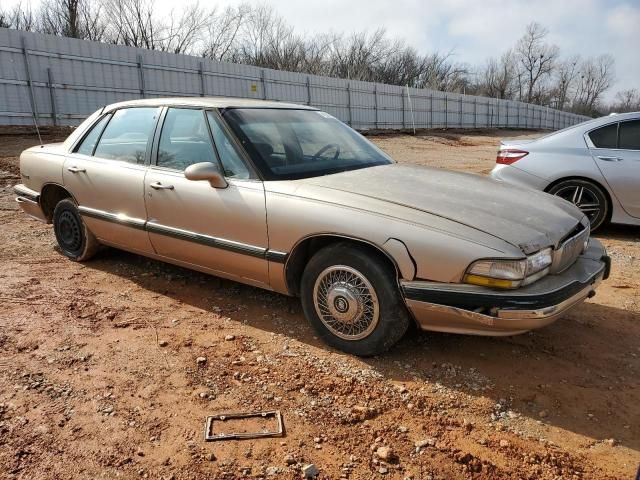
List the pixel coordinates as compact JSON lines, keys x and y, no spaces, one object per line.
{"x":182,"y":35}
{"x":536,"y":58}
{"x":498,"y":77}
{"x":222,"y":32}
{"x":133,"y":24}
{"x":20,"y":17}
{"x":564,"y":82}
{"x":627,"y":101}
{"x":72,"y":18}
{"x":595,"y":78}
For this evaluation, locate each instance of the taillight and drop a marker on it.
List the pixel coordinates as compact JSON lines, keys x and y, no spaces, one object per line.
{"x":509,"y":156}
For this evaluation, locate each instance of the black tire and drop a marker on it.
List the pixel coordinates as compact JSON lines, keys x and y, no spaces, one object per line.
{"x":74,"y":238}
{"x":591,"y":194}
{"x":392,"y":319}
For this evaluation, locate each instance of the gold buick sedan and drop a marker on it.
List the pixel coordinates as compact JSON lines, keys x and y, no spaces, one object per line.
{"x":288,"y":198}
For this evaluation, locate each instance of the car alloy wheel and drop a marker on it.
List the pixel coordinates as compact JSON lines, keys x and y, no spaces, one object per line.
{"x":346,"y":302}
{"x":585,"y":195}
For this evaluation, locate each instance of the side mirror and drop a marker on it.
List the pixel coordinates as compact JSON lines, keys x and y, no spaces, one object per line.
{"x":206,"y":171}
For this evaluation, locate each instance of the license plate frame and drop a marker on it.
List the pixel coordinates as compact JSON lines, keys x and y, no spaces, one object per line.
{"x":211,"y":436}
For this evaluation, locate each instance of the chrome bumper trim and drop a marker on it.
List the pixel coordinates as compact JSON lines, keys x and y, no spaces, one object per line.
{"x":25,"y":192}
{"x":460,"y":308}
{"x":31,"y":208}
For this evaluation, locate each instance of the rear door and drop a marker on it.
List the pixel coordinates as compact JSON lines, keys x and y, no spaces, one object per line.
{"x":616,"y":151}
{"x":105,"y":173}
{"x":223,"y":230}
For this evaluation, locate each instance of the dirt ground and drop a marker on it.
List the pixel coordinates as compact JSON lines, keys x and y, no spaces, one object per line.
{"x":100,"y":378}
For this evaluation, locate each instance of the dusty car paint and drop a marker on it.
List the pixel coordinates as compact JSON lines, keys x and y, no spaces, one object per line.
{"x":431,"y":224}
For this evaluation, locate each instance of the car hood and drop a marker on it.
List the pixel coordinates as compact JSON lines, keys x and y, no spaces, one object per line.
{"x":527,"y":219}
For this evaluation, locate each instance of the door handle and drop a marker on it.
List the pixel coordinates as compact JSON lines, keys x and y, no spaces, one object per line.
{"x":76,"y":170}
{"x":159,"y":186}
{"x":610,"y":159}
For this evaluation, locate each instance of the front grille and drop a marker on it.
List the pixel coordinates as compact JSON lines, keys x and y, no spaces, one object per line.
{"x":568,"y":252}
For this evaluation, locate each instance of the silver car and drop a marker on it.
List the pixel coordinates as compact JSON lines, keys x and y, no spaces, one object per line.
{"x":595,"y":165}
{"x":288,"y":198}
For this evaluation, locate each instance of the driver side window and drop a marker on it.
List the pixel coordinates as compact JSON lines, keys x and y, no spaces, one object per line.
{"x":184,"y":140}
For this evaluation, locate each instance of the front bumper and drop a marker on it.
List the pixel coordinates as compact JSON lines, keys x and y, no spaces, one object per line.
{"x":29,"y":201}
{"x":469,"y":309}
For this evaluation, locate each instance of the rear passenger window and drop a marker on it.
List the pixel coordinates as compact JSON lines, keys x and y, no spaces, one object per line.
{"x":605,"y":137}
{"x":89,"y":142}
{"x":184,"y":140}
{"x":127,"y":134}
{"x":630,"y":135}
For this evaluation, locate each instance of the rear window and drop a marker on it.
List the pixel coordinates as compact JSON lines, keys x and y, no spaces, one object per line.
{"x":605,"y":137}
{"x":126,"y":136}
{"x":630,"y":135}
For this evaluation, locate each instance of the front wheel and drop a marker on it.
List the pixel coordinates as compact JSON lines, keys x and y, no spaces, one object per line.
{"x":74,"y":238}
{"x":351,"y":299}
{"x":587,"y":196}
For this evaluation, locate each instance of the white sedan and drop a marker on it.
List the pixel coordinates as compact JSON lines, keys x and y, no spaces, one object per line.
{"x":594,"y":165}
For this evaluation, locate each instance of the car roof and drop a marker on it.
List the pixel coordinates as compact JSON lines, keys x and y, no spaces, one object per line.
{"x":208,"y":102}
{"x":617,"y":117}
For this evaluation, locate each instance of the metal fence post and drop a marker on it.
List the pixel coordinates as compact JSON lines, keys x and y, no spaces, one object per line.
{"x":460,"y":114}
{"x":52,"y":98}
{"x":32,"y":98}
{"x":375,"y":103}
{"x":141,"y":75}
{"x":349,"y":104}
{"x":475,"y":112}
{"x":488,"y":121}
{"x":308,"y":91}
{"x":201,"y":73}
{"x":404,"y":122}
{"x":263,"y":80}
{"x":431,"y":110}
{"x":498,"y":112}
{"x":446,"y":111}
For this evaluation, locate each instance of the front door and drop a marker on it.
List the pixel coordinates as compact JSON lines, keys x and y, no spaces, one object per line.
{"x":223,"y":230}
{"x":105,"y":173}
{"x":617,"y":154}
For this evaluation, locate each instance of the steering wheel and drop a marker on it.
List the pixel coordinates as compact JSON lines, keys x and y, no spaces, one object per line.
{"x":328,"y":147}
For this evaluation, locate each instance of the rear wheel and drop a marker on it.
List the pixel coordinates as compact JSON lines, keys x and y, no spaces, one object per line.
{"x":351,"y":299}
{"x":587,"y":196}
{"x":73,"y":236}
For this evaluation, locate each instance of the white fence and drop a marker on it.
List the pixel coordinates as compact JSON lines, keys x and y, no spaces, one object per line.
{"x":63,"y":80}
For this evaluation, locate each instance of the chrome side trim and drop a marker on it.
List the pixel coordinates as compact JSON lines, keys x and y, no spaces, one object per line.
{"x":207,"y":240}
{"x":137,"y":223}
{"x":222,"y":243}
{"x":276,"y":256}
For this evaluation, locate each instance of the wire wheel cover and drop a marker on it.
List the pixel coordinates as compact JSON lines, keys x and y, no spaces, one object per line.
{"x":346,"y":302}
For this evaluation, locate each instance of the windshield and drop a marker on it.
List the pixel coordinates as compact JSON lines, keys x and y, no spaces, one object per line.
{"x":290,"y":144}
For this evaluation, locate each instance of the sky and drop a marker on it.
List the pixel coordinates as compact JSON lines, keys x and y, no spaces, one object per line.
{"x":474,"y":30}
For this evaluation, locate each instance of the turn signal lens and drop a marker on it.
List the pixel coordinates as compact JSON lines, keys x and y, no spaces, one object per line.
{"x":510,"y":273}
{"x":509,"y":156}
{"x":491,"y":282}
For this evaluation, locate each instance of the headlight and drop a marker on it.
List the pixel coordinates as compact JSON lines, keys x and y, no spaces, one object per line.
{"x":509,"y":273}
